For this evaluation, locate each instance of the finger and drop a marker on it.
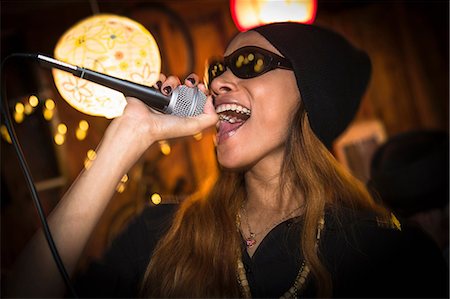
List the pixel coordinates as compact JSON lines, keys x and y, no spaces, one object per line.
{"x":170,"y":84}
{"x":160,"y":81}
{"x":209,"y":106}
{"x":203,"y":88}
{"x":191,"y":80}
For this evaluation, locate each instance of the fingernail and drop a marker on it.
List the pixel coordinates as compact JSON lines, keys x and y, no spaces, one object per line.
{"x":192,"y":80}
{"x":167,"y":89}
{"x":159,"y":84}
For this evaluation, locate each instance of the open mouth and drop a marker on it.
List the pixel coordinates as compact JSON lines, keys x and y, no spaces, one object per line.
{"x":231,"y":118}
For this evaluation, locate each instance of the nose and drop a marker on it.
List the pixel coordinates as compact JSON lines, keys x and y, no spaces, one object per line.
{"x":225,"y":83}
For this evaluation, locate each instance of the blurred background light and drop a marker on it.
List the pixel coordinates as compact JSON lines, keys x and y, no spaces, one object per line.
{"x":109,"y":44}
{"x":249,"y":14}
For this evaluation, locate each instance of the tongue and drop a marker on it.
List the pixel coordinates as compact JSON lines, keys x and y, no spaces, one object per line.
{"x":225,"y":128}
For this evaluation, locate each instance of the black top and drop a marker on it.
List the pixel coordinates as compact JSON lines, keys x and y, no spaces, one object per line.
{"x":365,"y":258}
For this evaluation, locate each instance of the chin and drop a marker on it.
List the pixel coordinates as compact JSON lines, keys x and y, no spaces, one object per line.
{"x":230,"y":163}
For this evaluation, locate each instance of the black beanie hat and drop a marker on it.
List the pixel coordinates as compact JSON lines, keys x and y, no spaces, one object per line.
{"x":331,"y":74}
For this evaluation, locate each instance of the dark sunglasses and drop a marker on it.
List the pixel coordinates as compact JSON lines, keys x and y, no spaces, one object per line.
{"x":246,"y":62}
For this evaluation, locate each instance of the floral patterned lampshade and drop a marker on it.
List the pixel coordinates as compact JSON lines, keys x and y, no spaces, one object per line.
{"x":109,"y":44}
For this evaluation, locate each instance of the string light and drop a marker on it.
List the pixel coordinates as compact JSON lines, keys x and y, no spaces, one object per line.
{"x":164,"y":147}
{"x":33,"y":100}
{"x":49,"y":104}
{"x":122,"y":184}
{"x":90,"y":156}
{"x":18,"y":117}
{"x":83,"y":125}
{"x":48,"y":111}
{"x":62,"y":129}
{"x":81,"y":131}
{"x":156,"y":198}
{"x":28,"y":109}
{"x":59,"y":139}
{"x":5,"y":134}
{"x":20,"y":108}
{"x":198,"y":136}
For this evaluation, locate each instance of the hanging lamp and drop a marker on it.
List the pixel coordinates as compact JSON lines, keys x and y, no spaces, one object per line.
{"x":109,"y":44}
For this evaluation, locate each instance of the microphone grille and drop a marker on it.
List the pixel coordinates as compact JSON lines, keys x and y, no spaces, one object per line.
{"x":188,"y":101}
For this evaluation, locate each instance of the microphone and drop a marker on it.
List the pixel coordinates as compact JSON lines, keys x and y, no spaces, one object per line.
{"x":184,"y":101}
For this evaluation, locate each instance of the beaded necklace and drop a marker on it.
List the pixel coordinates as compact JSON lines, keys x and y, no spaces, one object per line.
{"x":300,"y":280}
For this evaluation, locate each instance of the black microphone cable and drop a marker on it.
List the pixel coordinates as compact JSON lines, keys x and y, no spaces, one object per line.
{"x":29,"y":179}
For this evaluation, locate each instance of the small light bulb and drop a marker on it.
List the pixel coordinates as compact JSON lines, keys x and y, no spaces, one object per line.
{"x":18,"y":117}
{"x":83,"y":125}
{"x":48,"y":114}
{"x":49,"y":104}
{"x":59,"y":139}
{"x":20,"y":108}
{"x":164,"y":147}
{"x":156,"y":198}
{"x":198,"y":136}
{"x":28,"y":109}
{"x":80,"y":134}
{"x":33,"y":100}
{"x":62,"y":128}
{"x":91,"y":154}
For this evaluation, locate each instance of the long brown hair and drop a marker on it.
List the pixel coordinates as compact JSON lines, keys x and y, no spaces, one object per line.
{"x":197,"y":257}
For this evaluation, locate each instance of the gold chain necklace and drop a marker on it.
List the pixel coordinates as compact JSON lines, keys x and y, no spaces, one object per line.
{"x":250,"y":241}
{"x":300,"y":280}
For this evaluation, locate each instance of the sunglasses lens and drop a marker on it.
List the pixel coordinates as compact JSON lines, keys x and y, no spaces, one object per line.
{"x":215,"y":69}
{"x":249,"y":64}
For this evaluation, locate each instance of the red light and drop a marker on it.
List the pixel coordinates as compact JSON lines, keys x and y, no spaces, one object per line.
{"x":249,"y":14}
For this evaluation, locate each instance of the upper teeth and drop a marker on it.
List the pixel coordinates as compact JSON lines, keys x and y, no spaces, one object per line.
{"x":233,"y":107}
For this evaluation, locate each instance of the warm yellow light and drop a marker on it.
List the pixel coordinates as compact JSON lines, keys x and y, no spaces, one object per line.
{"x":5,"y":134}
{"x":62,"y":129}
{"x":80,"y":134}
{"x":28,"y":109}
{"x":198,"y":136}
{"x":49,"y":104}
{"x":20,"y":108}
{"x":164,"y":147}
{"x":59,"y":139}
{"x":18,"y":117}
{"x":156,"y":198}
{"x":108,"y":44}
{"x":87,"y":163}
{"x":91,"y":154}
{"x":248,"y":14}
{"x":124,"y":179}
{"x":48,"y":114}
{"x":33,"y":100}
{"x":120,"y":188}
{"x":83,"y":125}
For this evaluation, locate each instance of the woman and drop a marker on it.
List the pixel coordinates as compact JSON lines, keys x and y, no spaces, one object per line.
{"x":284,"y":219}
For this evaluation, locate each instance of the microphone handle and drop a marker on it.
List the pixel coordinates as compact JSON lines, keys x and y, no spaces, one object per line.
{"x":150,"y":96}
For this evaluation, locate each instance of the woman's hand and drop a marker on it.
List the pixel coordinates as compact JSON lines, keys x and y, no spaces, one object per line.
{"x":142,"y":126}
